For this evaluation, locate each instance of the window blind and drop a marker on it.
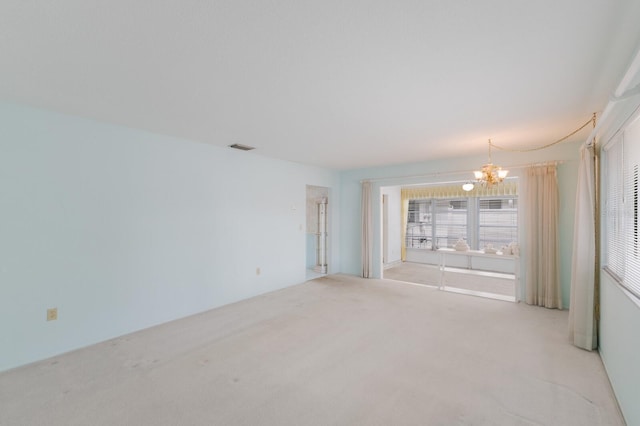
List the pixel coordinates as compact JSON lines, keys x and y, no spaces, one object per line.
{"x":497,"y":221}
{"x":451,"y":222}
{"x":622,"y":183}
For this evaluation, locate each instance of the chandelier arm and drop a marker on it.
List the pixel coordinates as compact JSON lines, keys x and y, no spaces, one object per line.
{"x":591,"y":120}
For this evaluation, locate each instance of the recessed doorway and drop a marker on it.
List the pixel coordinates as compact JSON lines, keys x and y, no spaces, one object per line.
{"x":317,"y":231}
{"x":435,"y":221}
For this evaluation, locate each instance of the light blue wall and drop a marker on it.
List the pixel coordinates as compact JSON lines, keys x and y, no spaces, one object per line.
{"x":455,"y":169}
{"x":311,"y":250}
{"x":620,"y":345}
{"x":122,"y":229}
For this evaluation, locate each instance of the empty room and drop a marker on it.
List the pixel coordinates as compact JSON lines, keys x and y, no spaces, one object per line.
{"x":319,"y":213}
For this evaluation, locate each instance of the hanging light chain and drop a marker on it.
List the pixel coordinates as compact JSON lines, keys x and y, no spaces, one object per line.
{"x":591,"y":120}
{"x":490,"y":174}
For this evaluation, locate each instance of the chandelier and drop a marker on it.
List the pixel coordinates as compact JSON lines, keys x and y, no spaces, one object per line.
{"x":490,"y":174}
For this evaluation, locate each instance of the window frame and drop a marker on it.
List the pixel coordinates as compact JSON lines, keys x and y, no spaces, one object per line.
{"x":472,"y":225}
{"x":479,"y":225}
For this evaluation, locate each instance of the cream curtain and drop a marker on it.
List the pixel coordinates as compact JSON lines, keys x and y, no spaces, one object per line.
{"x":540,"y":191}
{"x":582,"y":326}
{"x":367,"y":231}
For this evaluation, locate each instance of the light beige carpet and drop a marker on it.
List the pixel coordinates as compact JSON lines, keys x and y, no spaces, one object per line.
{"x":475,"y":281}
{"x":338,"y":350}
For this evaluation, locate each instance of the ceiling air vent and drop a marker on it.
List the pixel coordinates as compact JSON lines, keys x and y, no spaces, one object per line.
{"x":241,"y":147}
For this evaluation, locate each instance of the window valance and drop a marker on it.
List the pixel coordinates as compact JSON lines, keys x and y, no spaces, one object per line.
{"x":456,"y":191}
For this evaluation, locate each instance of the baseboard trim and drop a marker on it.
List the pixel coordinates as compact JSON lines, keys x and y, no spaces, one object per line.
{"x":392,"y":264}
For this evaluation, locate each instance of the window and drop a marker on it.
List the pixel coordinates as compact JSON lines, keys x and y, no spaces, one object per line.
{"x":620,"y":222}
{"x":437,"y":223}
{"x":497,"y":221}
{"x":419,"y":225}
{"x":451,"y":222}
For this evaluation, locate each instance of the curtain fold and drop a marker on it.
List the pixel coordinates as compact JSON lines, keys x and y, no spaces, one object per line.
{"x":541,"y":223}
{"x":582,"y":326}
{"x":367,"y":231}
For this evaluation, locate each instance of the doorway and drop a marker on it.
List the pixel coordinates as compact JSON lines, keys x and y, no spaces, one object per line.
{"x":433,"y":223}
{"x":317,"y":231}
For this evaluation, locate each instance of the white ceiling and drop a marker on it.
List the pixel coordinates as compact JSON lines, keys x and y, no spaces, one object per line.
{"x":341,"y":84}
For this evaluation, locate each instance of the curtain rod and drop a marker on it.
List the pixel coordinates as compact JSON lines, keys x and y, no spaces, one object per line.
{"x":434,"y":174}
{"x":459,"y":172}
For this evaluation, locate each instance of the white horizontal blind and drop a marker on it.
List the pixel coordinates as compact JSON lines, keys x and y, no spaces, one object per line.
{"x":614,"y":209}
{"x":451,"y":222}
{"x":497,"y":221}
{"x":419,"y":225}
{"x":631,"y":140}
{"x":622,"y":175}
